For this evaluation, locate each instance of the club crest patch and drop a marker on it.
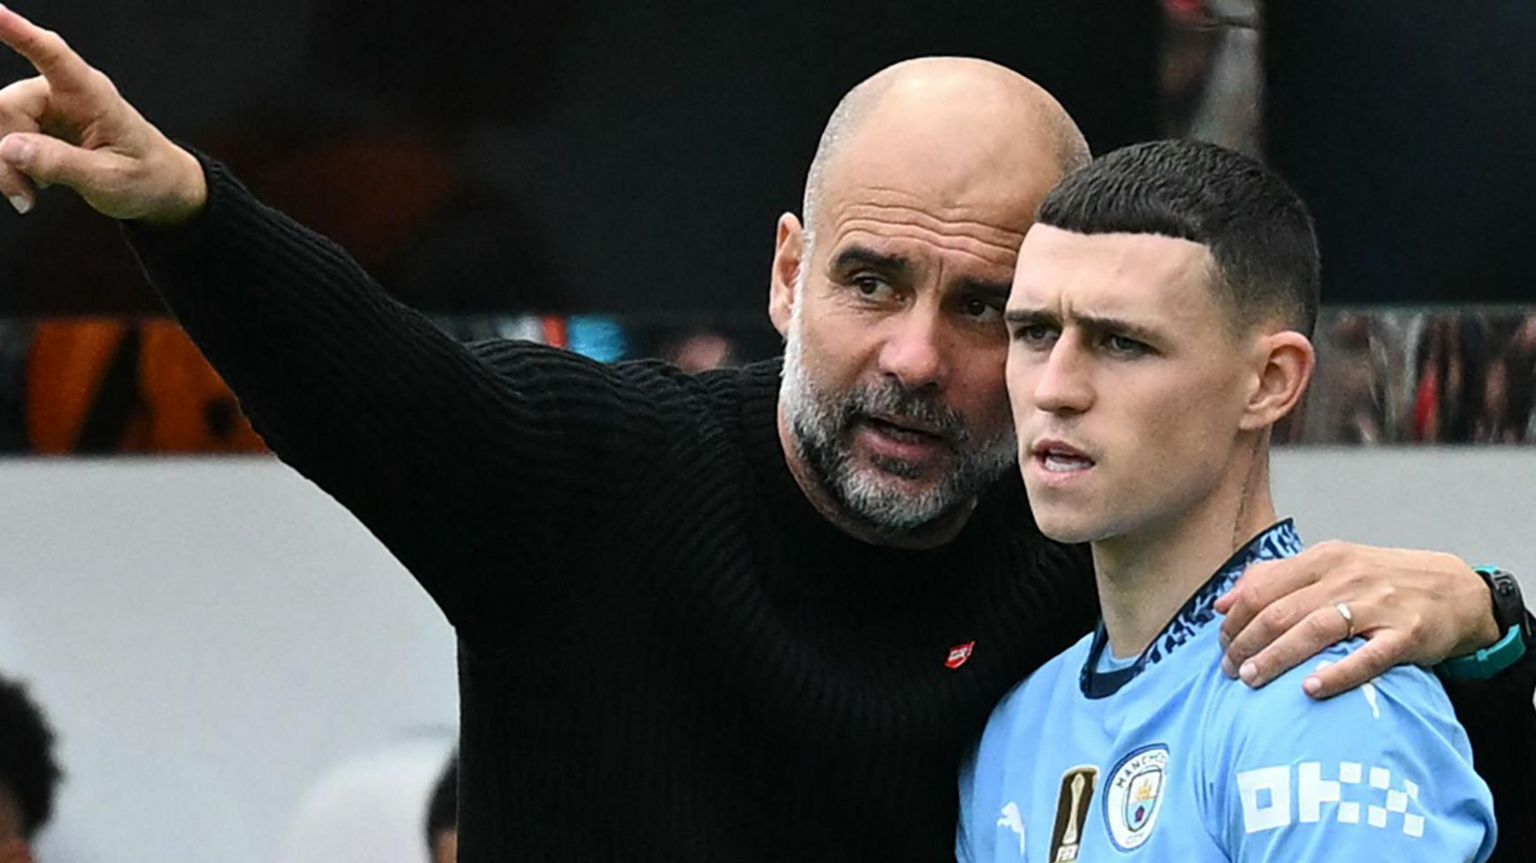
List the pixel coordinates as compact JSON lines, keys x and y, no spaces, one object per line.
{"x":1135,"y":795}
{"x":1072,"y":806}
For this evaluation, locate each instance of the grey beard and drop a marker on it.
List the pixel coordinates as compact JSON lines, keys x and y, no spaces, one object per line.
{"x":821,"y":426}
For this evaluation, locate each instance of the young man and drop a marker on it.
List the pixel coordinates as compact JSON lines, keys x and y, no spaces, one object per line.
{"x":1159,"y":325}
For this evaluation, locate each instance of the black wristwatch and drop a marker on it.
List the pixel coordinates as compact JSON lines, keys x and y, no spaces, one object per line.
{"x":1508,"y":605}
{"x":1514,"y":622}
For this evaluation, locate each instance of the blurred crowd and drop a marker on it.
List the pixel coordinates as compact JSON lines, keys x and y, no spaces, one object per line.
{"x":1400,"y":377}
{"x":450,"y":232}
{"x":95,"y":386}
{"x":1384,"y":376}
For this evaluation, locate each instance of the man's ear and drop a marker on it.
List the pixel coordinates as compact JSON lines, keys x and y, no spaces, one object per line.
{"x":788,"y":258}
{"x":1283,"y":362}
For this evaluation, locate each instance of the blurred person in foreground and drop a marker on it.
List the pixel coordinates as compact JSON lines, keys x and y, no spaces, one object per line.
{"x":29,"y":775}
{"x":370,"y":808}
{"x":443,"y":815}
{"x":744,"y":615}
{"x":1161,"y":313}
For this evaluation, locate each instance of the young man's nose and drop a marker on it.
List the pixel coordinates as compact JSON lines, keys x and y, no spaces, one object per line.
{"x":1063,"y":385}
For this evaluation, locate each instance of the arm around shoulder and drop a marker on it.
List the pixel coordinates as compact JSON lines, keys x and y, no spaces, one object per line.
{"x":1500,"y":719}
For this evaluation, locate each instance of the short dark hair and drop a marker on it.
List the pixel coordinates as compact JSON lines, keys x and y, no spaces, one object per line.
{"x":27,"y":768}
{"x":1257,"y":228}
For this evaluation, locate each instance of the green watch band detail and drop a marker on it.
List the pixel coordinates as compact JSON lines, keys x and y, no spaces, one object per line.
{"x":1488,"y":662}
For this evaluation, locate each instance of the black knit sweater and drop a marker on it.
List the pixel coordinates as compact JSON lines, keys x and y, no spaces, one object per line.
{"x":664,"y":652}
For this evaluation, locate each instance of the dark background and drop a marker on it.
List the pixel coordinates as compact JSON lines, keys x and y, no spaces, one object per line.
{"x":590,"y":156}
{"x":631,"y":158}
{"x":1409,"y":126}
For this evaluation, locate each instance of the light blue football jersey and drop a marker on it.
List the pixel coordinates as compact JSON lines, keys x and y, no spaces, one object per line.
{"x":1163,"y":758}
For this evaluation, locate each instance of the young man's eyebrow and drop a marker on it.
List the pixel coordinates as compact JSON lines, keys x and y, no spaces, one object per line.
{"x":1022,"y":315}
{"x":1119,"y":326}
{"x":1096,"y":323}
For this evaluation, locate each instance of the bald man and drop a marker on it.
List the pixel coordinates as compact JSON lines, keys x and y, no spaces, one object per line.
{"x":735,"y":616}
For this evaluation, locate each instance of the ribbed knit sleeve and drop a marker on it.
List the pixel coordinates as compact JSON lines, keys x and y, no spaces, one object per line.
{"x":472,"y":466}
{"x":1501,"y":724}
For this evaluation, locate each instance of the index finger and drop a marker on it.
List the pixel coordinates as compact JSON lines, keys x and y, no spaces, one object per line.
{"x":1261,"y":584}
{"x":45,"y":50}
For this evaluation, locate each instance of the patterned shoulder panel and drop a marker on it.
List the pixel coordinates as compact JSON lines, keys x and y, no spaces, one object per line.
{"x":1279,"y":541}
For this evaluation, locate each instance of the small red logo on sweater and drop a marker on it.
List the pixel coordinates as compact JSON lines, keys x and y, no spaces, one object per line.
{"x":959,"y":654}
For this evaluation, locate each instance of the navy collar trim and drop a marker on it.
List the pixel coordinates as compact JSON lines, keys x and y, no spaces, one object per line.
{"x":1278,"y":541}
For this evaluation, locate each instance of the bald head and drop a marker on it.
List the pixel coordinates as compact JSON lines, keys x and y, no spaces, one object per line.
{"x":890,"y":293}
{"x":966,"y":113}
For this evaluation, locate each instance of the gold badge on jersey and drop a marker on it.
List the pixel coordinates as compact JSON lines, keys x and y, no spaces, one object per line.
{"x":1077,"y":787}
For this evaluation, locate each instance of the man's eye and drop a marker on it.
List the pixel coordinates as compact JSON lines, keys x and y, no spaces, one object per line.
{"x":981,"y":309}
{"x":870,"y":286}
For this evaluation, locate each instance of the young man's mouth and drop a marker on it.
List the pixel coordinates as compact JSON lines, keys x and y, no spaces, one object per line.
{"x":1060,"y":458}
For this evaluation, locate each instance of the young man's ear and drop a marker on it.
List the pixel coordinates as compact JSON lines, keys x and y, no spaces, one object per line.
{"x":1284,"y":362}
{"x":788,"y":258}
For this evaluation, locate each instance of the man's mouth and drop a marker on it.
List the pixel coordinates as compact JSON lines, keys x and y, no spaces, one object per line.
{"x":899,"y":442}
{"x":906,"y":431}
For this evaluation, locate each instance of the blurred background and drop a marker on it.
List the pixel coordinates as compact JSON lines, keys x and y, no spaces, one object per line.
{"x":214,"y":639}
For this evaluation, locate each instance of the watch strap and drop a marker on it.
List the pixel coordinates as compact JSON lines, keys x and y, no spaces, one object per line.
{"x":1486,"y":664}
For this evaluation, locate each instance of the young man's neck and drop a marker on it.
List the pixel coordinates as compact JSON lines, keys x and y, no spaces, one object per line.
{"x":1145,"y":577}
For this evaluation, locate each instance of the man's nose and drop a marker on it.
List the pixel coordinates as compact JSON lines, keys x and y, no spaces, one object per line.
{"x":914,"y":351}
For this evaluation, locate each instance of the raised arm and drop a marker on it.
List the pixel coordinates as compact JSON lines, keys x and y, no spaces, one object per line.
{"x":474,"y":473}
{"x":69,"y":126}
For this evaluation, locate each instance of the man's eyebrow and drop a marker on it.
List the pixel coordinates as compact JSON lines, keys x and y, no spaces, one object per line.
{"x":856,"y":257}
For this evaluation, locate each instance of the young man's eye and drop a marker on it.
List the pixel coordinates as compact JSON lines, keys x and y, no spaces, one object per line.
{"x":1125,"y":346}
{"x":1033,"y":334}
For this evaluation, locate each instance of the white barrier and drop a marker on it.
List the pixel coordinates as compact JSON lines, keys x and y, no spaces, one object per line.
{"x":211,"y":636}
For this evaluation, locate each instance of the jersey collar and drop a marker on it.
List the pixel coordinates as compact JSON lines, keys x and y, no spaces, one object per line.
{"x":1278,"y":541}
